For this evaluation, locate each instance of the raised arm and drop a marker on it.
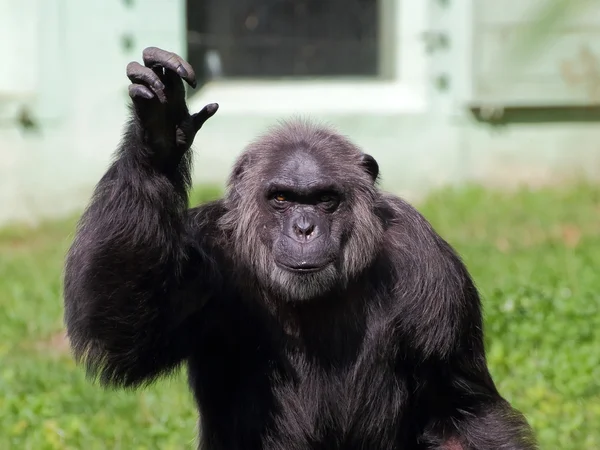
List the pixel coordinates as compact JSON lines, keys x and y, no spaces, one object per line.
{"x":133,"y":256}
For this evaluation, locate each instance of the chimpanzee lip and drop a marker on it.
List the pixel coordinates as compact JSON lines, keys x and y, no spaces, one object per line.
{"x":303,"y":268}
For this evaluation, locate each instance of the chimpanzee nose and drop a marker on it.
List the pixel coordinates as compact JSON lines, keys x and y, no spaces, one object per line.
{"x":304,"y":227}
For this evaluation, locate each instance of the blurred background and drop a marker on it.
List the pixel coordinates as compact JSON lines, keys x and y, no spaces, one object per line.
{"x":483,"y":113}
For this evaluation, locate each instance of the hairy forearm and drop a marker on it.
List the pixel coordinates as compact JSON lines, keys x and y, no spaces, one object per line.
{"x":126,"y":262}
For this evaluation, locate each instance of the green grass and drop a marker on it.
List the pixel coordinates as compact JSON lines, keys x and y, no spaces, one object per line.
{"x":534,"y":255}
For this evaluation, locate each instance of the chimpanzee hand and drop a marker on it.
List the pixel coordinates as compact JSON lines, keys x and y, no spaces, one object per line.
{"x":158,"y":96}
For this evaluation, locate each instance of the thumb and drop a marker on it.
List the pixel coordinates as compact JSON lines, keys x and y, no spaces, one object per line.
{"x":206,"y":113}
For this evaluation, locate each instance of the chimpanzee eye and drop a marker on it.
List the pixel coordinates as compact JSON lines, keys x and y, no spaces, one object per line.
{"x":280,"y":197}
{"x":329,"y":201}
{"x":328,"y":197}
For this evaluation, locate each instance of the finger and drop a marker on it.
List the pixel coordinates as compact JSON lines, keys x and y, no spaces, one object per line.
{"x":206,"y":113}
{"x":139,"y":90}
{"x":155,"y":56}
{"x":141,"y":75}
{"x":174,"y":85}
{"x":137,"y":72}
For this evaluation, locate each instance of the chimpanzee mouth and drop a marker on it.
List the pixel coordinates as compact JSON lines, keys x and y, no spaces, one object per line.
{"x":303,"y":267}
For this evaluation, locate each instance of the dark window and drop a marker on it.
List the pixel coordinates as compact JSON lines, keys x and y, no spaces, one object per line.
{"x":283,"y":38}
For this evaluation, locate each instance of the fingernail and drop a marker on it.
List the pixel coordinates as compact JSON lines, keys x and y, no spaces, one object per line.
{"x":182,"y":72}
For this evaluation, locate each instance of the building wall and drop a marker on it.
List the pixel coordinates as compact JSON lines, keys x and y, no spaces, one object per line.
{"x":423,"y":122}
{"x":453,"y":63}
{"x":65,"y":71}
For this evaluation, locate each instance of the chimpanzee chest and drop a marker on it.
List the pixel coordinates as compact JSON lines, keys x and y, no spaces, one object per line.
{"x":358,"y":406}
{"x":254,"y":396}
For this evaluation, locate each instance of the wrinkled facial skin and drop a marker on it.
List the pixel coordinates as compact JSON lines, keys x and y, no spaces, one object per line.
{"x":304,"y":230}
{"x":301,"y":212}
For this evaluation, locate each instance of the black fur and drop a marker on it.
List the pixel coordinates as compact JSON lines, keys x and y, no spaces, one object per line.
{"x":382,"y":349}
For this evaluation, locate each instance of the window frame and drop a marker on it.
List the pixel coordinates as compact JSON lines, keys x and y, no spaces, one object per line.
{"x":400,"y":88}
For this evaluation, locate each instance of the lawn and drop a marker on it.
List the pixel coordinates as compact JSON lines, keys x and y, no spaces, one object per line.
{"x":534,"y":255}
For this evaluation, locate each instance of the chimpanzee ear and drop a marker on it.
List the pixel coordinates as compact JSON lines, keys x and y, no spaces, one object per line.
{"x":239,"y":168}
{"x":235,"y":177}
{"x":370,"y":166}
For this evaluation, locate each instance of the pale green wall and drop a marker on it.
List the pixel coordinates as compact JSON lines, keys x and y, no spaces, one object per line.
{"x":65,"y":64}
{"x":422,"y":136}
{"x":497,"y":55}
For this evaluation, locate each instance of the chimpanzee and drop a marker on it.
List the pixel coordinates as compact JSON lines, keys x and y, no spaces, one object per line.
{"x":312,"y":310}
